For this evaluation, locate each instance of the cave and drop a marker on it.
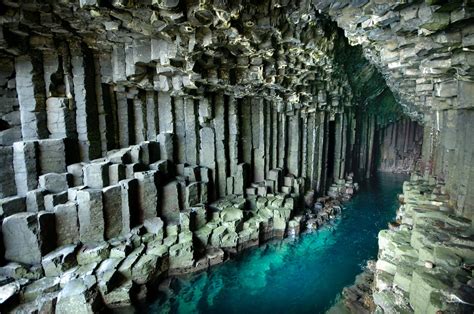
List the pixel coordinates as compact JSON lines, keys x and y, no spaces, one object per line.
{"x":209,"y":156}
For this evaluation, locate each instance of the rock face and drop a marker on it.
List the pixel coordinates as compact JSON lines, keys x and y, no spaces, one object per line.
{"x":423,"y":261}
{"x":400,"y":147}
{"x":162,"y":136}
{"x":28,"y":236}
{"x":424,"y":52}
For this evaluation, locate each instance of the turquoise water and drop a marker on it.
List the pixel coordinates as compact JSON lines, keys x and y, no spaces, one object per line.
{"x":305,"y":275}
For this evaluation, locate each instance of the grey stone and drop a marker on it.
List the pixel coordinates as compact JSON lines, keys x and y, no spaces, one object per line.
{"x":113,"y":210}
{"x":116,"y":173}
{"x":76,"y":171}
{"x":147,"y":195}
{"x":192,"y":195}
{"x":67,"y":227}
{"x":96,"y":175}
{"x":129,"y":195}
{"x":91,"y":216}
{"x":170,"y":203}
{"x":7,"y":182}
{"x":154,"y":226}
{"x":52,"y":156}
{"x":93,"y":253}
{"x":53,"y":182}
{"x":145,"y":268}
{"x":36,"y":232}
{"x":40,"y":287}
{"x":9,"y":292}
{"x":78,"y":296}
{"x":12,"y":205}
{"x":35,"y":200}
{"x":60,"y":260}
{"x":25,"y":166}
{"x":166,"y":141}
{"x":51,"y":200}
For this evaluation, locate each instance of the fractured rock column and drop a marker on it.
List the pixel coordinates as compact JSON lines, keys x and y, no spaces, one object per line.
{"x":123,"y":117}
{"x":140,"y":118}
{"x":67,"y":223}
{"x":28,"y":236}
{"x":151,"y":116}
{"x":311,"y":156}
{"x":147,"y":194}
{"x":129,"y":200}
{"x":87,"y":115}
{"x":60,"y":119}
{"x":294,"y":144}
{"x":31,"y":97}
{"x":7,"y":182}
{"x":319,"y":152}
{"x":191,"y":138}
{"x":221,"y":147}
{"x":25,"y":156}
{"x":246,"y":126}
{"x":100,"y":103}
{"x":51,"y":156}
{"x":207,"y":152}
{"x":282,"y":140}
{"x":165,"y":113}
{"x":180,"y":129}
{"x":170,"y":203}
{"x":91,"y":215}
{"x":258,"y":139}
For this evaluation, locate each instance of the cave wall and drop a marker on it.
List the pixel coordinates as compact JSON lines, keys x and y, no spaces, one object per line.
{"x":400,"y":145}
{"x":121,"y":115}
{"x":424,"y":51}
{"x":447,"y":154}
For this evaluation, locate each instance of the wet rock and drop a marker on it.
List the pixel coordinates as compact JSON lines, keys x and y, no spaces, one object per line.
{"x":37,"y":232}
{"x":40,"y":287}
{"x":60,"y":260}
{"x":78,"y":296}
{"x":53,"y":182}
{"x":9,"y":293}
{"x":91,"y":216}
{"x":12,"y":205}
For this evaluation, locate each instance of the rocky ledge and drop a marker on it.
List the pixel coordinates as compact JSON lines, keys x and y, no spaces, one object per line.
{"x":89,"y":277}
{"x":425,"y":262}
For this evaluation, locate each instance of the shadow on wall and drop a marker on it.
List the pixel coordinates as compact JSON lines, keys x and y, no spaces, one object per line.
{"x":399,"y":147}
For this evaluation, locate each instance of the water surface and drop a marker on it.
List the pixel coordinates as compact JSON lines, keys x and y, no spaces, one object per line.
{"x":305,"y":275}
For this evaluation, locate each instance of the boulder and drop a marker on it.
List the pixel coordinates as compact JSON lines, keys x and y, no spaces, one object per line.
{"x":170,"y":204}
{"x":147,"y":194}
{"x":120,"y":296}
{"x":78,"y":296}
{"x":91,"y":215}
{"x":154,"y":226}
{"x":9,"y":294}
{"x":53,"y":182}
{"x":67,"y":227}
{"x":35,"y":200}
{"x":40,"y":287}
{"x":12,"y":205}
{"x":60,"y":260}
{"x":93,"y":253}
{"x":113,"y":210}
{"x":145,"y":268}
{"x":37,"y":234}
{"x":96,"y":174}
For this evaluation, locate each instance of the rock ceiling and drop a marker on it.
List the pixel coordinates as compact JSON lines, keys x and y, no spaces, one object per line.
{"x":278,"y":49}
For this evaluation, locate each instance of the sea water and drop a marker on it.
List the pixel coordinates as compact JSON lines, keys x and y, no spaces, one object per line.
{"x":303,"y":275}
